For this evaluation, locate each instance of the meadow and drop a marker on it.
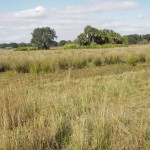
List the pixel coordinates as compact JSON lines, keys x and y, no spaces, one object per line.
{"x":89,"y":99}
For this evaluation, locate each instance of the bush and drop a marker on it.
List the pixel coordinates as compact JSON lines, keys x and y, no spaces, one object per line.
{"x":131,"y":59}
{"x":23,"y":67}
{"x":97,"y":61}
{"x":117,"y":59}
{"x":4,"y":66}
{"x":71,"y":46}
{"x":79,"y":63}
{"x":141,"y":58}
{"x":108,"y":60}
{"x":24,"y":48}
{"x":49,"y":66}
{"x":63,"y":63}
{"x":92,"y":46}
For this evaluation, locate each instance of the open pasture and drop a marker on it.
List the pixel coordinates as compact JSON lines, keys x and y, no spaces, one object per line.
{"x":81,"y":100}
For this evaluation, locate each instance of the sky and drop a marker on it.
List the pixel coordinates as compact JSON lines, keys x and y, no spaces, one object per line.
{"x":18,"y":18}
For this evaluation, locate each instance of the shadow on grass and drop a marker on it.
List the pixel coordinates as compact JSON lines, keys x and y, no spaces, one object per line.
{"x":62,"y":137}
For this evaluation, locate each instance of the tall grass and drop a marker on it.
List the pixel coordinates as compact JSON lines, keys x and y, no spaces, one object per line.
{"x":100,"y":113}
{"x":66,"y":62}
{"x":50,"y":112}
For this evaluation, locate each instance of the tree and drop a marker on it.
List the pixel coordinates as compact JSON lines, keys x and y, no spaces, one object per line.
{"x":24,"y":44}
{"x":62,"y":42}
{"x":13,"y":45}
{"x":134,"y":38}
{"x":92,"y":35}
{"x":43,"y":37}
{"x":82,"y":39}
{"x":138,"y":39}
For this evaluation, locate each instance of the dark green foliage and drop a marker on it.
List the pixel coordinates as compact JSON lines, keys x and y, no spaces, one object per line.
{"x":133,"y":39}
{"x":10,"y":45}
{"x":62,"y":43}
{"x":138,"y":39}
{"x":100,"y":37}
{"x":43,"y":37}
{"x":82,"y":39}
{"x":13,"y":45}
{"x":24,"y":44}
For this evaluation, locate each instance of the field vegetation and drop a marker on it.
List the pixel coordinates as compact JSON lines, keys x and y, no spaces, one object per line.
{"x":52,"y":61}
{"x":82,"y":99}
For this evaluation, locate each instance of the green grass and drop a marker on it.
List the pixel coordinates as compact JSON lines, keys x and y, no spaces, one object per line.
{"x":78,"y":105}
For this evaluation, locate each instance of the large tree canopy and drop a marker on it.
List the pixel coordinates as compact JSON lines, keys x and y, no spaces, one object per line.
{"x":93,"y":35}
{"x":43,"y":37}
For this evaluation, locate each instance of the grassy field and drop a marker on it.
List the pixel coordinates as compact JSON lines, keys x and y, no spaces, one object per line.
{"x":90,"y":102}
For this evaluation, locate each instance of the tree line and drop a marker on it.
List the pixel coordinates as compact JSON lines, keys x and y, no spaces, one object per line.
{"x":138,"y":39}
{"x":45,"y":37}
{"x":13,"y":45}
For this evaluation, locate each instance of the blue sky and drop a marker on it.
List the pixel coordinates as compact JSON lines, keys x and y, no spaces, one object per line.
{"x":69,"y":17}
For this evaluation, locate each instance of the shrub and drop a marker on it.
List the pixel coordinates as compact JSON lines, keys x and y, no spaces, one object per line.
{"x":97,"y":61}
{"x":63,"y":63}
{"x":71,"y":46}
{"x":35,"y":67}
{"x":79,"y":63}
{"x":92,"y":46}
{"x":44,"y":66}
{"x":131,"y":59}
{"x":116,"y":59}
{"x":4,"y":66}
{"x":23,"y":67}
{"x":24,"y":48}
{"x":49,"y":66}
{"x":141,"y":58}
{"x":89,"y":59}
{"x":108,"y":60}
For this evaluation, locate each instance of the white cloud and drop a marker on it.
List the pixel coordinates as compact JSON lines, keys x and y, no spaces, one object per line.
{"x":98,"y":7}
{"x":39,"y":11}
{"x":142,"y":16}
{"x":68,"y":22}
{"x":108,"y":6}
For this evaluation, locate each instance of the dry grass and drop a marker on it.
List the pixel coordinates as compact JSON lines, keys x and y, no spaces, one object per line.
{"x":56,"y":60}
{"x":93,"y":108}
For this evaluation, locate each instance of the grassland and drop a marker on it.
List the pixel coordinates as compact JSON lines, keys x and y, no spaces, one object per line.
{"x":95,"y":106}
